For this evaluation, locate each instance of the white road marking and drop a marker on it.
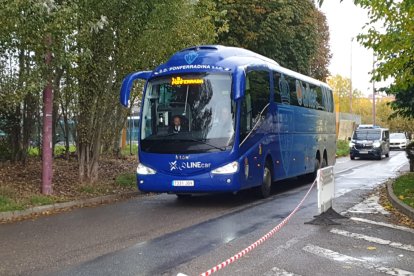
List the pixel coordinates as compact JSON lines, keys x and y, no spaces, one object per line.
{"x":279,"y":272}
{"x":369,"y":206}
{"x":335,"y":256}
{"x":282,"y":248}
{"x":397,"y":245}
{"x":389,"y":225}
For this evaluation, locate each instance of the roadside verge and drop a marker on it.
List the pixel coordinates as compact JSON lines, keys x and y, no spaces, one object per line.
{"x":400,"y":206}
{"x":57,"y":207}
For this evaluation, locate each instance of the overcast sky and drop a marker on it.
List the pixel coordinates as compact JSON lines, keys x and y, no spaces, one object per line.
{"x":346,"y":21}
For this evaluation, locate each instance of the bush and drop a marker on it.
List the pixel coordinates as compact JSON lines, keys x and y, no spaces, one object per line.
{"x":409,"y":150}
{"x":5,"y":149}
{"x":126,"y":180}
{"x":342,"y":148}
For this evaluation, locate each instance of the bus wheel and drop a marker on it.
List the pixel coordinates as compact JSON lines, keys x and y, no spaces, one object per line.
{"x":263,"y":190}
{"x":324,"y":163}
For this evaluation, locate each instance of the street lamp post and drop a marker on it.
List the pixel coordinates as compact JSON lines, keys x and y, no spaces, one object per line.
{"x":373,"y":89}
{"x":350,"y":80}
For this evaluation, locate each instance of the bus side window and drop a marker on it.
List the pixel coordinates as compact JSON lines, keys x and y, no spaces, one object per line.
{"x":246,"y":116}
{"x":276,"y":78}
{"x":259,"y":91}
{"x":327,"y":99}
{"x":256,"y":100}
{"x":292,"y":88}
{"x":319,"y":99}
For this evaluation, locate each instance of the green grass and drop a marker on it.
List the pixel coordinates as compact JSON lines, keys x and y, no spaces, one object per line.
{"x":10,"y":202}
{"x":33,"y":151}
{"x":7,"y":204}
{"x":126,"y":151}
{"x":342,"y":148}
{"x":126,"y":180}
{"x":404,"y":188}
{"x":59,"y":150}
{"x":41,"y":200}
{"x":87,"y":189}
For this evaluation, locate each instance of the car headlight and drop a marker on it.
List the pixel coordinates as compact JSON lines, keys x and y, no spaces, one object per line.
{"x":144,"y":170}
{"x":227,"y":169}
{"x":351,"y":144}
{"x":376,"y":144}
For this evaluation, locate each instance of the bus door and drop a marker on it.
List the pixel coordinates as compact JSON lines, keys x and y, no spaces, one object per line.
{"x":254,"y":120}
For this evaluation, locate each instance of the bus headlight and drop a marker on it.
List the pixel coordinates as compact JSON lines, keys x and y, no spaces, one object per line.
{"x":376,"y":144}
{"x":351,"y":144}
{"x":227,"y":169}
{"x":144,"y":170}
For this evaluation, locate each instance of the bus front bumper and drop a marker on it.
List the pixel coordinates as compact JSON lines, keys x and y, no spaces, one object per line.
{"x":201,"y":183}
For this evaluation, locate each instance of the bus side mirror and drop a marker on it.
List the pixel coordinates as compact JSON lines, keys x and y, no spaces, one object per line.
{"x":128,"y":82}
{"x":349,"y":138}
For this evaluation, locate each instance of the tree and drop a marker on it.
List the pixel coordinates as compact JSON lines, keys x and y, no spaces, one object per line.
{"x":320,"y":60}
{"x":293,"y":33}
{"x":386,"y":118}
{"x":95,"y":44}
{"x":393,"y":47}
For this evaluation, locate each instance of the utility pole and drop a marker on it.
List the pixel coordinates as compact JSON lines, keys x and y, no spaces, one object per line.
{"x":373,"y":89}
{"x":350,"y":80}
{"x":47,"y":138}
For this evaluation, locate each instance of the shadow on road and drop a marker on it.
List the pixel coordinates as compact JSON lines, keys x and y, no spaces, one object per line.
{"x":240,"y":198}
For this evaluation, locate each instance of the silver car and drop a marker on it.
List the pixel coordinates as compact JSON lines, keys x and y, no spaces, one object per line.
{"x":398,"y":141}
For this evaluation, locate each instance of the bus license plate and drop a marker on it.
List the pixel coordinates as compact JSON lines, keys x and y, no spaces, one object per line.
{"x":183,"y":183}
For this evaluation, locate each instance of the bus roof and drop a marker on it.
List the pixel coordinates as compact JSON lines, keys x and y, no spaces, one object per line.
{"x":215,"y":58}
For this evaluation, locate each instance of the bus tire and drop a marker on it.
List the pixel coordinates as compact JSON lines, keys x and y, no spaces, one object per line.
{"x":324,"y":163}
{"x":263,"y":191}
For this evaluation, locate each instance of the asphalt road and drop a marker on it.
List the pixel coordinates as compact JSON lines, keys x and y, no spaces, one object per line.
{"x":160,"y":235}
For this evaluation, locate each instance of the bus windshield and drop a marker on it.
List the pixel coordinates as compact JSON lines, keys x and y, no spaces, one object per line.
{"x":367,"y":134}
{"x":188,"y":114}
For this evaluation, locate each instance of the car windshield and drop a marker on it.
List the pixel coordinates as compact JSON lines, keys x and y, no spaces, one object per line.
{"x":397,"y":136}
{"x":367,"y":134}
{"x":188,"y":114}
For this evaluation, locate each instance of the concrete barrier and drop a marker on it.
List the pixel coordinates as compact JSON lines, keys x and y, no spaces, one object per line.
{"x":326,"y":188}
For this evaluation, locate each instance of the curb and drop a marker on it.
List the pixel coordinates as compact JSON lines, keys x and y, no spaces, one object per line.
{"x":400,"y":206}
{"x":11,"y":215}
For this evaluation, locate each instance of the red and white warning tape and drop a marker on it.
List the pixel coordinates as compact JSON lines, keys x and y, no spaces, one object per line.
{"x":259,"y":241}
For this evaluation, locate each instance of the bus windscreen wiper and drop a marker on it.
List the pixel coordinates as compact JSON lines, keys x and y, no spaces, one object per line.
{"x":158,"y":141}
{"x":204,"y":142}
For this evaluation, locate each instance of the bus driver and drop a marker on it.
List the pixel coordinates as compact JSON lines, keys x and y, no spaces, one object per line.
{"x":177,"y":126}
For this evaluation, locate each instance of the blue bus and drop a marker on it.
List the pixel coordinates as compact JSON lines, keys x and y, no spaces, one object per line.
{"x":224,"y":119}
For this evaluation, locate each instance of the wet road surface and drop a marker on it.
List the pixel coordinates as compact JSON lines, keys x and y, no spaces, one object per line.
{"x":160,"y":235}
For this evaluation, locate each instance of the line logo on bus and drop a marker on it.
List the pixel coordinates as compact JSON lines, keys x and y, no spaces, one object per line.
{"x":188,"y":165}
{"x":190,"y":57}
